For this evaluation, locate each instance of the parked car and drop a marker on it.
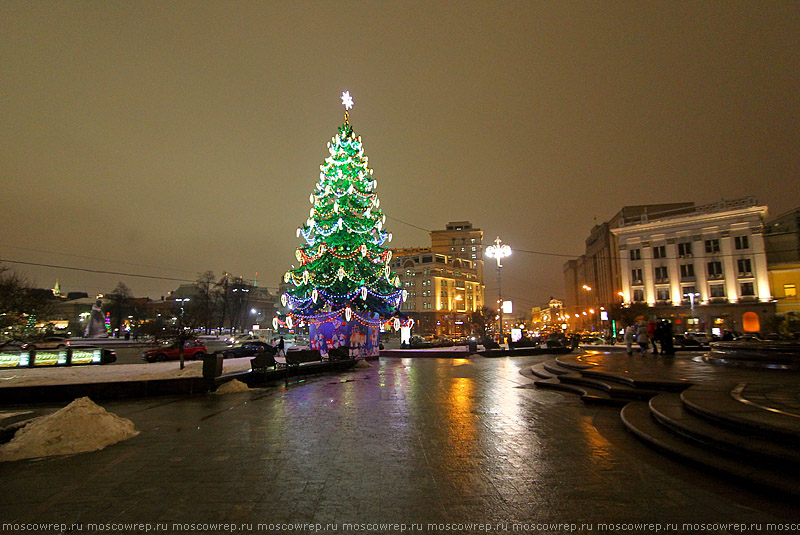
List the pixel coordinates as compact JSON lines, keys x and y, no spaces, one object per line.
{"x":592,"y":340}
{"x":242,"y":338}
{"x":686,"y":341}
{"x":701,"y":337}
{"x":13,"y":345}
{"x":749,"y":338}
{"x":192,"y":349}
{"x":48,"y":342}
{"x":249,"y":348}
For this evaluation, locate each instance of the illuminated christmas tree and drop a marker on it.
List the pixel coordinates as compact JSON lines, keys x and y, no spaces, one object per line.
{"x":344,"y":288}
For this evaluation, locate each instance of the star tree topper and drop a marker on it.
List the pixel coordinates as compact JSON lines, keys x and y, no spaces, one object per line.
{"x":347,"y":100}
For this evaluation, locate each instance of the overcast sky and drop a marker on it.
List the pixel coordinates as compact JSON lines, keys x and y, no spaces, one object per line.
{"x":170,"y":138}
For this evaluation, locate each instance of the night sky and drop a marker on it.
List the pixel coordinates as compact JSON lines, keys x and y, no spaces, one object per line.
{"x":170,"y":138}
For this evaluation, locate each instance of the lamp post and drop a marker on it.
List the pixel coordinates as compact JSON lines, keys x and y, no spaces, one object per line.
{"x":183,"y":301}
{"x":691,"y":297}
{"x":498,"y":251}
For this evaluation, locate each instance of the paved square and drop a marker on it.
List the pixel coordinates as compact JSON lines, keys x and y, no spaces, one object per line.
{"x":439,"y":444}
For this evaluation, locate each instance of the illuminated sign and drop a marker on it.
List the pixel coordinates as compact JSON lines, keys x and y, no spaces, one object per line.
{"x":516,"y":335}
{"x":507,"y":307}
{"x":60,"y":357}
{"x":46,"y":358}
{"x":12,"y":360}
{"x":87,"y":356}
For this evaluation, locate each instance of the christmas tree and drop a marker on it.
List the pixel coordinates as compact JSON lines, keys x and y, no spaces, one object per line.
{"x":344,"y":279}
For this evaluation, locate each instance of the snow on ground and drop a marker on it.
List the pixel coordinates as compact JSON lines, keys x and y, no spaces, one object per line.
{"x":80,"y":426}
{"x":112,"y":372}
{"x":232,"y":387}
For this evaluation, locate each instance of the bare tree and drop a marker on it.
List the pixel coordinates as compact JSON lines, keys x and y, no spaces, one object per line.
{"x":203,"y":302}
{"x":120,"y":302}
{"x":18,"y":300}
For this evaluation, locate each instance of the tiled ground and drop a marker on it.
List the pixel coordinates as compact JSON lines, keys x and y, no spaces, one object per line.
{"x":407,"y":441}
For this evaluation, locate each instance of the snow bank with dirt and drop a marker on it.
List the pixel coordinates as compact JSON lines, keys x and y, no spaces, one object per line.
{"x":232,"y":387}
{"x":79,"y":427}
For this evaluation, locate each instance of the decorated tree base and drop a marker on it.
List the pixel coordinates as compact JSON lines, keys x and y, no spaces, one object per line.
{"x":361,"y":340}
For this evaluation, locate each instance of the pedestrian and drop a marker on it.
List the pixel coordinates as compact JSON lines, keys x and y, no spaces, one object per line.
{"x":727,"y":336}
{"x":665,"y":338}
{"x":281,"y":347}
{"x":630,"y":337}
{"x":642,"y":338}
{"x":651,"y":334}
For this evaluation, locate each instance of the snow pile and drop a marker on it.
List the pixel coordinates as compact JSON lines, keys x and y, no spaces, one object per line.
{"x":363,"y":364}
{"x":232,"y":387}
{"x":79,"y":427}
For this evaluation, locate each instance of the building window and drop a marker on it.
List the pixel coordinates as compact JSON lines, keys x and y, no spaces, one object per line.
{"x":636,"y":275}
{"x":687,"y":271}
{"x":685,"y":249}
{"x":661,"y":274}
{"x":741,"y":242}
{"x":790,"y":290}
{"x":744,"y":267}
{"x":659,"y":251}
{"x":662,"y":294}
{"x":716,"y":290}
{"x":638,"y":295}
{"x":712,"y":246}
{"x":715,"y":270}
{"x":688,"y":290}
{"x":636,"y":254}
{"x":747,"y":289}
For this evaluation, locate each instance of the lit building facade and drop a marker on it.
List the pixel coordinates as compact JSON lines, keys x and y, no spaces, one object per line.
{"x":443,"y":291}
{"x":461,"y":240}
{"x":782,"y":241}
{"x":444,"y":281}
{"x":705,"y":269}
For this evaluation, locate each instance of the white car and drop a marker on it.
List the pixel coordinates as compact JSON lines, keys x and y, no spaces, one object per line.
{"x":240,"y":339}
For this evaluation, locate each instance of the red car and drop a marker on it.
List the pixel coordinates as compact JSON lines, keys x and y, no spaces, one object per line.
{"x":192,"y":349}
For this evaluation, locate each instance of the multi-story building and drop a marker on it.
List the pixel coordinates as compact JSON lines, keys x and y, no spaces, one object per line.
{"x":782,"y":241}
{"x":593,"y":280}
{"x":460,"y":240}
{"x":445,"y":281}
{"x":548,"y":318}
{"x":443,"y":292}
{"x":706,"y":269}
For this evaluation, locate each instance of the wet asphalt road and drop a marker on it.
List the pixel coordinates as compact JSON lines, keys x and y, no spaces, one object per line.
{"x":464,"y":442}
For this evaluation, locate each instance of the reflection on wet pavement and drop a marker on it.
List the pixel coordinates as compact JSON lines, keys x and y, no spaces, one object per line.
{"x":425,"y":440}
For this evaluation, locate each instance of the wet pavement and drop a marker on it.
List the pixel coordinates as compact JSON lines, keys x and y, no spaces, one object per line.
{"x":425,"y":445}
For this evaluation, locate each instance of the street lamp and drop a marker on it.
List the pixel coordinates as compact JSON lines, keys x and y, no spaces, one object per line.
{"x":691,"y":297}
{"x":182,"y":302}
{"x":498,"y":251}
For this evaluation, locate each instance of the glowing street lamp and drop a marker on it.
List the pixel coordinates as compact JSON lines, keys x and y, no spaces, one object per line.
{"x":498,"y":251}
{"x":692,"y":296}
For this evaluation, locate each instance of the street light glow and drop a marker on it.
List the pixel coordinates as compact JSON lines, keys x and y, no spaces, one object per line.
{"x":498,"y":251}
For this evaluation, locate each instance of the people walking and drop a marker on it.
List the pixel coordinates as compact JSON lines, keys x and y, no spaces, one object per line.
{"x":651,"y":334}
{"x":642,"y":337}
{"x":630,"y":337}
{"x":281,"y":347}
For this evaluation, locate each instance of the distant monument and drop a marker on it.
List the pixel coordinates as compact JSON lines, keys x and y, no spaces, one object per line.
{"x":96,"y":328}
